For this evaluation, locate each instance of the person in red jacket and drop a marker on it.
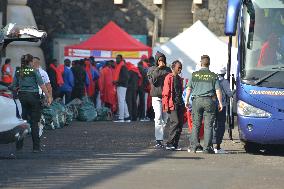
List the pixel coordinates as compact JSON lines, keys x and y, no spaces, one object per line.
{"x":106,"y":86}
{"x":173,"y":104}
{"x":7,"y":72}
{"x":268,"y":53}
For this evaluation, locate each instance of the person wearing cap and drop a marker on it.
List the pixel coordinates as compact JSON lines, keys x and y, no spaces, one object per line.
{"x":219,"y":127}
{"x":204,"y":87}
{"x":156,"y":75}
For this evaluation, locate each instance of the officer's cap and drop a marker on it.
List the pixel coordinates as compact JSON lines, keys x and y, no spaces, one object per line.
{"x":222,"y":71}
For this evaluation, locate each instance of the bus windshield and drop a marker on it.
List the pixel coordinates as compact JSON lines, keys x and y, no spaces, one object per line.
{"x":262,"y":43}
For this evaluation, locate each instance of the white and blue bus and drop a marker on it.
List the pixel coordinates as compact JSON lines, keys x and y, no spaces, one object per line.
{"x":259,"y":25}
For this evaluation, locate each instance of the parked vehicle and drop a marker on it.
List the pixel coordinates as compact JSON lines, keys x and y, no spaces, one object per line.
{"x":12,"y":127}
{"x":260,"y":75}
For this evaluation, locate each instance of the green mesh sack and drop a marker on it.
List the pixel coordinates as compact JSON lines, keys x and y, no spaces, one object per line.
{"x":87,"y":111}
{"x":49,"y":118}
{"x":69,"y":116}
{"x":104,"y":114}
{"x":73,"y":107}
{"x":60,"y":116}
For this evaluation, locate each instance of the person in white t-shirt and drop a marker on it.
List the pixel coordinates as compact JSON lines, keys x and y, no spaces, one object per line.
{"x":44,"y":75}
{"x":46,"y":81}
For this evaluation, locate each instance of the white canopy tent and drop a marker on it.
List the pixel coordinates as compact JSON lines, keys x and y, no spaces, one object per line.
{"x":194,"y":42}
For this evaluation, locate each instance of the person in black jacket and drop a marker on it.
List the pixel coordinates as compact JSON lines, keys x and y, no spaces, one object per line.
{"x":53,"y":79}
{"x":141,"y":93}
{"x":121,"y":82}
{"x":131,"y":95}
{"x":156,"y":75}
{"x":79,"y":79}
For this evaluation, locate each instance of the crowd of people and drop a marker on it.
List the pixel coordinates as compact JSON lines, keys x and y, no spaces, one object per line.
{"x":129,"y":91}
{"x":118,"y":85}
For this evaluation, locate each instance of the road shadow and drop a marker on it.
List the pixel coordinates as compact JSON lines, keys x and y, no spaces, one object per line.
{"x":85,"y":155}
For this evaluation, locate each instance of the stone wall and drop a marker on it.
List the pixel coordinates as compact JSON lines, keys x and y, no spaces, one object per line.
{"x":134,"y":16}
{"x":89,"y":16}
{"x":212,"y":13}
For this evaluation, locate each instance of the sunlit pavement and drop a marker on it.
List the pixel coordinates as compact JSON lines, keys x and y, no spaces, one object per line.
{"x":108,"y":155}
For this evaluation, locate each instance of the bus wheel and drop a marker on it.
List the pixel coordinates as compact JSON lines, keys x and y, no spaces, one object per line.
{"x":252,"y":148}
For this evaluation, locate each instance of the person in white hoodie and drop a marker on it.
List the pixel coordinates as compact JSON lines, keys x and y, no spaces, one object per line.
{"x":219,"y":127}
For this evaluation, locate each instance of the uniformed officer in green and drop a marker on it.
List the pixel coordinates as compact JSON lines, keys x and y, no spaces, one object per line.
{"x":26,"y":82}
{"x":203,"y":87}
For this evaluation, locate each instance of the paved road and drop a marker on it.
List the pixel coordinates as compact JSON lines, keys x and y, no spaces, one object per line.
{"x":108,"y":155}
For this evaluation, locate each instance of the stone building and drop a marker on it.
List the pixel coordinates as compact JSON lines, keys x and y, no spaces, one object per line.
{"x":166,"y":18}
{"x":17,"y":11}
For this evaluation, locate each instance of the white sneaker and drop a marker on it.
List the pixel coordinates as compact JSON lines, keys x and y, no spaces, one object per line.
{"x":220,"y":151}
{"x":119,"y":121}
{"x":178,"y":149}
{"x":144,"y":119}
{"x":40,"y":129}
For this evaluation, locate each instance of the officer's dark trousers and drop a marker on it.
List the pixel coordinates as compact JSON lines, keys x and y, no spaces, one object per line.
{"x":131,"y":101}
{"x":78,"y":92}
{"x":175,"y":125}
{"x":219,"y":127}
{"x":55,"y":92}
{"x":31,"y":111}
{"x":141,"y":105}
{"x":203,"y":107}
{"x":67,"y":94}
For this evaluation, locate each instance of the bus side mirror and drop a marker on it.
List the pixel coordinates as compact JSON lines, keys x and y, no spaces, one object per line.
{"x":232,"y":15}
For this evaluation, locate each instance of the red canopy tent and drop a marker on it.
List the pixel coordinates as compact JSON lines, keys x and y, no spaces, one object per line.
{"x":107,"y":43}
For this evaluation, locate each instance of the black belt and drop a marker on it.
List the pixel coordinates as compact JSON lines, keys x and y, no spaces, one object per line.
{"x":28,"y":92}
{"x":203,"y":97}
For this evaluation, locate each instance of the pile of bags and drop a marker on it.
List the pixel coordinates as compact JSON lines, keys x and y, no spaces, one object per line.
{"x":58,"y":115}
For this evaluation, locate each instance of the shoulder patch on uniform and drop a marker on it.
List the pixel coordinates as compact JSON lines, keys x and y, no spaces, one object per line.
{"x":203,"y":76}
